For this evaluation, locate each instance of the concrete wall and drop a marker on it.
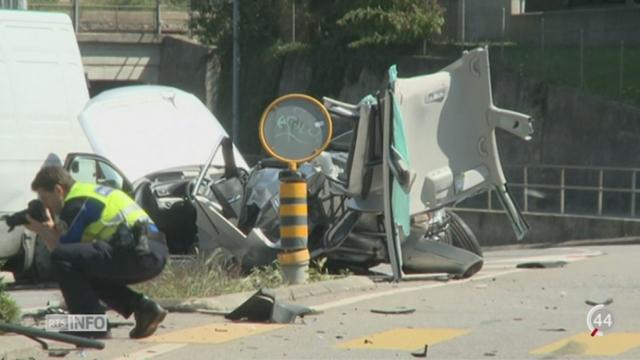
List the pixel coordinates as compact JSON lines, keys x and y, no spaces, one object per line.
{"x":571,"y":128}
{"x":191,"y":67}
{"x":493,"y":228}
{"x":114,"y":59}
{"x":601,"y":27}
{"x":483,"y":22}
{"x":121,"y":57}
{"x":482,"y":19}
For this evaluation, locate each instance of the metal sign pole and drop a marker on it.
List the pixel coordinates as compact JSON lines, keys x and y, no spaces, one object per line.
{"x":235,"y":106}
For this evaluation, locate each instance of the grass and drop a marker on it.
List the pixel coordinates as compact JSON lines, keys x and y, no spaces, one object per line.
{"x":560,"y":65}
{"x":214,"y":275}
{"x":9,"y":310}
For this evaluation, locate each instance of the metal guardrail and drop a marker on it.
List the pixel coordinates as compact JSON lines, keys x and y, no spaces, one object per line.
{"x":574,"y":190}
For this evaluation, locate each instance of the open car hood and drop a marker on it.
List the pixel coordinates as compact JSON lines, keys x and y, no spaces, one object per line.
{"x":145,"y":129}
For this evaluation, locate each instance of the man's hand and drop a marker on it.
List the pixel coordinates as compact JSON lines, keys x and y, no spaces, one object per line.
{"x":46,"y":231}
{"x":39,"y":227}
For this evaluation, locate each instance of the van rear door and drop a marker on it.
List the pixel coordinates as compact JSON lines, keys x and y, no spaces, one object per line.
{"x":42,"y":91}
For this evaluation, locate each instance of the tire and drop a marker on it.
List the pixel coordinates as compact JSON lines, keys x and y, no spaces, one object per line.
{"x":461,"y":234}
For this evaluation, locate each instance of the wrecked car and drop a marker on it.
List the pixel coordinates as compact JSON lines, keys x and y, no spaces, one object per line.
{"x":380,"y":191}
{"x":379,"y":194}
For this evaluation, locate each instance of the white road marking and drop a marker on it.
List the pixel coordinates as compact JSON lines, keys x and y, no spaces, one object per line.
{"x":365,"y":297}
{"x":579,"y":254}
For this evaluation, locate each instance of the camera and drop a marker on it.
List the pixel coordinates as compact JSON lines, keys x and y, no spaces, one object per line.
{"x":35,"y":209}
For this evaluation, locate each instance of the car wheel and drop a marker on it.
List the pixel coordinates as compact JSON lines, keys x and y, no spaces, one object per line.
{"x":461,"y":234}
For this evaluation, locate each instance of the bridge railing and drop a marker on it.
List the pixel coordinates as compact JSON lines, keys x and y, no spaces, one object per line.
{"x":571,"y":190}
{"x":159,"y":18}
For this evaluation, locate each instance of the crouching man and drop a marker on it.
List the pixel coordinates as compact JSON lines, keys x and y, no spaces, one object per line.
{"x":101,"y":241}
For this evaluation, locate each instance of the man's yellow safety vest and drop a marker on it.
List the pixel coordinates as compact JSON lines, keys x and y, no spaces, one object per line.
{"x":118,"y":207}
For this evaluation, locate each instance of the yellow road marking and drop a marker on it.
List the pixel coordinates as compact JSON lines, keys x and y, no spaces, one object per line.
{"x":213,"y":333}
{"x":403,"y":339}
{"x":610,"y":344}
{"x":151,"y":352}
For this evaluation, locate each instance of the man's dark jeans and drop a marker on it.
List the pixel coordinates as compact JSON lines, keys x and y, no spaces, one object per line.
{"x":92,"y":272}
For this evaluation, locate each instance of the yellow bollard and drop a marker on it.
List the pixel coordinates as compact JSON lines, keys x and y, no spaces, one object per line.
{"x":294,"y":230}
{"x":294,"y":129}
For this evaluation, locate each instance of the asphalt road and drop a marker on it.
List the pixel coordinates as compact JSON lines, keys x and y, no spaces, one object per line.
{"x":501,"y":313}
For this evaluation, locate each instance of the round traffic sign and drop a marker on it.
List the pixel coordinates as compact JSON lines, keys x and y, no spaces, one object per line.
{"x":295,"y":128}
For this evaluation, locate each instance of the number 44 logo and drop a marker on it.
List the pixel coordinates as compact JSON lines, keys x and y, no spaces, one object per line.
{"x":608,"y":320}
{"x":600,"y":320}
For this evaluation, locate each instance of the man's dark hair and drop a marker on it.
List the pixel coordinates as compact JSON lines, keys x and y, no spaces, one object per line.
{"x":50,"y":176}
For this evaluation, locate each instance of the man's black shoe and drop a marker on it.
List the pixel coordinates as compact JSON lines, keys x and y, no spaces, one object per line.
{"x":148,"y":315}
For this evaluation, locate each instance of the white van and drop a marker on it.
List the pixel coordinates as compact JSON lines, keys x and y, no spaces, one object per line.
{"x":42,"y":91}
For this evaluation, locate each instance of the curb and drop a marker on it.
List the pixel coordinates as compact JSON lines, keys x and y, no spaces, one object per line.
{"x":228,"y":302}
{"x":631,"y":240}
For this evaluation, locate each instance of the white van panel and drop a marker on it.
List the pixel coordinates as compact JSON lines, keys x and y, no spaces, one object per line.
{"x":42,"y":91}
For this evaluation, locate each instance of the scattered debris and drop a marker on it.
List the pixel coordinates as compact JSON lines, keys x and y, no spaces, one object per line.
{"x":339,"y":337}
{"x":39,"y":315}
{"x":423,"y":353}
{"x":541,"y":264}
{"x":116,"y":324}
{"x":59,"y":352}
{"x":263,"y":307}
{"x":491,"y":353}
{"x":609,"y":301}
{"x":212,"y":312}
{"x":394,"y":310}
{"x":553,"y":330}
{"x":367,"y":341}
{"x":220,"y":330}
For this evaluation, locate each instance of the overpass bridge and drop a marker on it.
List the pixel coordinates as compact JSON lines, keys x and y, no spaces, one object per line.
{"x":117,"y":59}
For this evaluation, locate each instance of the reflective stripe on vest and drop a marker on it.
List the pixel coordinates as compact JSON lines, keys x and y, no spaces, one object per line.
{"x":118,"y":207}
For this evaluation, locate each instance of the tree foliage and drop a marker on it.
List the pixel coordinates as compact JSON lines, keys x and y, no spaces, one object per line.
{"x":398,"y":22}
{"x":337,"y":36}
{"x":259,"y":22}
{"x":353,"y":23}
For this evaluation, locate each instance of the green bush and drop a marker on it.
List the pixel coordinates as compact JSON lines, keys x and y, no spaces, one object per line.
{"x":9,"y":310}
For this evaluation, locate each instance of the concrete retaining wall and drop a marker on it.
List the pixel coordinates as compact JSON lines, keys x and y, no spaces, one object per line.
{"x":571,"y":128}
{"x":601,"y":27}
{"x":493,"y":228}
{"x":191,"y":67}
{"x":483,"y":22}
